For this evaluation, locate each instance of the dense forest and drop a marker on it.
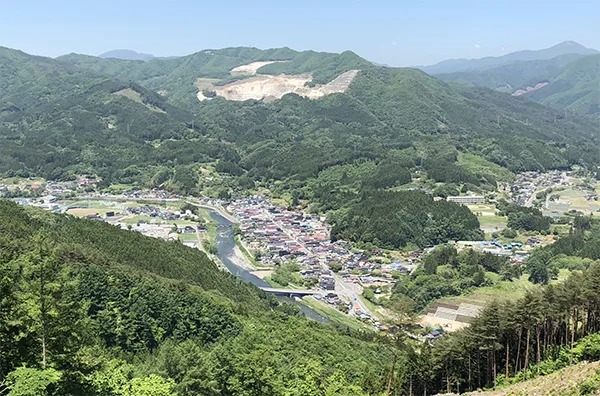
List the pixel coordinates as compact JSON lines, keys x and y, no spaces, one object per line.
{"x":394,"y":219}
{"x":87,"y":309}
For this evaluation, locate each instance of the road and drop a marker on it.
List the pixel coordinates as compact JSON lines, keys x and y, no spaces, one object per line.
{"x":351,"y":291}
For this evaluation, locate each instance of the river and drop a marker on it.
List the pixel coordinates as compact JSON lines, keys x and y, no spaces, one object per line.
{"x":225,"y":250}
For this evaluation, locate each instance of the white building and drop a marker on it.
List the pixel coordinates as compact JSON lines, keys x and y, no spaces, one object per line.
{"x":467,"y":199}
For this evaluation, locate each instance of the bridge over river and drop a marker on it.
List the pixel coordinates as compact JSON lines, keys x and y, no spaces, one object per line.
{"x":289,"y":292}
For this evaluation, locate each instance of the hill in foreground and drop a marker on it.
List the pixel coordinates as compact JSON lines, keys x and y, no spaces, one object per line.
{"x":89,"y":309}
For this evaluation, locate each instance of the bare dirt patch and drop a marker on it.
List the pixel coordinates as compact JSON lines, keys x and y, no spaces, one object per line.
{"x":82,"y":212}
{"x":251,"y":68}
{"x":265,"y":87}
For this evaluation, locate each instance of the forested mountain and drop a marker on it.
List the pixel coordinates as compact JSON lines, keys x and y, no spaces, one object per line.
{"x":175,"y":77}
{"x":461,"y":65}
{"x":568,"y":81}
{"x":513,"y":76}
{"x":575,"y":87}
{"x":112,"y":312}
{"x":141,"y":122}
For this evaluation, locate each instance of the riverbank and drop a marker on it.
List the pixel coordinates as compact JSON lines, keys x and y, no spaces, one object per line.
{"x":334,"y":315}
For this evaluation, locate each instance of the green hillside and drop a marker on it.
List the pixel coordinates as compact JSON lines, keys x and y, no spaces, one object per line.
{"x":516,"y":75}
{"x":88,"y":309}
{"x":176,"y":77}
{"x":576,"y":87}
{"x":573,"y":81}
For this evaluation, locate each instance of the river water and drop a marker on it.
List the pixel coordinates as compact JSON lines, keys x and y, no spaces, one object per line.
{"x":225,"y":250}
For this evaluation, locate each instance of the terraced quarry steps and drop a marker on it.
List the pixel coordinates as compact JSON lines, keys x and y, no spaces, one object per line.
{"x":269,"y":88}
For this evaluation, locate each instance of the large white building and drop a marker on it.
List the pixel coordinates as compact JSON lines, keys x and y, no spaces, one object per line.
{"x":467,"y":199}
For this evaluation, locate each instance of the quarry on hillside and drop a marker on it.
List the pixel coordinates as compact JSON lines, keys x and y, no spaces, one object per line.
{"x":528,"y":89}
{"x":251,"y":68}
{"x":268,"y":87}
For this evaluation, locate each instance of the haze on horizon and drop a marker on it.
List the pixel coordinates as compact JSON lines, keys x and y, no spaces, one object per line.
{"x":415,"y":33}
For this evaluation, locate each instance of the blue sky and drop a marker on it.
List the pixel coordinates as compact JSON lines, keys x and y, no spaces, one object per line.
{"x":398,"y":33}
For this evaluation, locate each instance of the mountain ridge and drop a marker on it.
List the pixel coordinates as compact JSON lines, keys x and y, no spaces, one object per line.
{"x":383,"y":107}
{"x":126,"y":54}
{"x":567,"y":81}
{"x":459,"y":65}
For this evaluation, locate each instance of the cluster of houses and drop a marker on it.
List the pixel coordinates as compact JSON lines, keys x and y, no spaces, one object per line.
{"x":276,"y":235}
{"x":523,"y":190}
{"x":155,"y":212}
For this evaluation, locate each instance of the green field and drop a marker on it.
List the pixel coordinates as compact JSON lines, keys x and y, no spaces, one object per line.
{"x":502,"y":290}
{"x":188,"y":237}
{"x":488,"y":218}
{"x":139,"y":218}
{"x":246,"y":253}
{"x":574,"y":199}
{"x":477,"y":164}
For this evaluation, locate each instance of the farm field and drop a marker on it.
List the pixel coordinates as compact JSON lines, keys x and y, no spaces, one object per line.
{"x":84,"y":212}
{"x":488,"y":218}
{"x":573,"y":199}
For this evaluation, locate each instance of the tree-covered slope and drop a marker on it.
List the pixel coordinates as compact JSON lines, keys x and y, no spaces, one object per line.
{"x":88,"y":309}
{"x":568,"y":81}
{"x":384,"y":109}
{"x":576,"y":87}
{"x":513,"y":76}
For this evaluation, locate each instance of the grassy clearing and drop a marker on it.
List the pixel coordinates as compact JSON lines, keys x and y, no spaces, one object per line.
{"x":211,"y":225}
{"x":21,"y":180}
{"x":334,"y":315}
{"x":188,"y":237}
{"x":502,"y":290}
{"x":493,"y":222}
{"x":563,"y":382}
{"x":488,"y":218}
{"x":120,"y":188}
{"x":562,"y":229}
{"x":138,"y":219}
{"x":83,"y":212}
{"x":477,"y":164}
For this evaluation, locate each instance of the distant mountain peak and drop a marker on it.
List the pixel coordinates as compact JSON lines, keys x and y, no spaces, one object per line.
{"x":461,"y":65}
{"x":569,"y":43}
{"x":126,"y":54}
